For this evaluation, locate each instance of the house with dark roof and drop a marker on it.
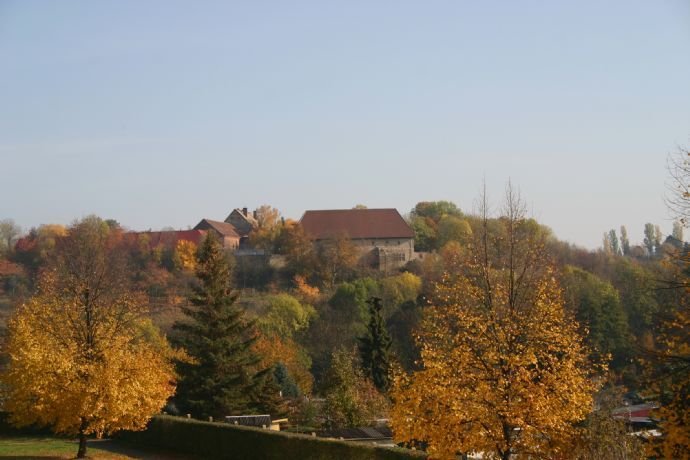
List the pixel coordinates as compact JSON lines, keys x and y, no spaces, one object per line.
{"x":224,"y":231}
{"x":242,"y":221}
{"x":382,"y":236}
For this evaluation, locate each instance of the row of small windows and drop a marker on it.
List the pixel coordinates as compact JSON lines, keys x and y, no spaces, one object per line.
{"x":373,"y":242}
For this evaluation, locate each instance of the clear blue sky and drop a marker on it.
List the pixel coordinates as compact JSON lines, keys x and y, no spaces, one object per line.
{"x":159,"y":113}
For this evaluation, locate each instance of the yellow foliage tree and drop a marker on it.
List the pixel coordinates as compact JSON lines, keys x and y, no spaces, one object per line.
{"x":268,"y":227}
{"x":505,"y":372}
{"x":82,"y":357}
{"x":185,"y":255}
{"x":284,"y":317}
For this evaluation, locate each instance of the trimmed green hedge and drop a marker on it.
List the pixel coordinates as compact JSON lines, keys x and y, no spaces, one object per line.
{"x":221,"y":440}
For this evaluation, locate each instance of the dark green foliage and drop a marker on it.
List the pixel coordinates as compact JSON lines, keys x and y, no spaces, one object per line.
{"x":253,"y":271}
{"x":287,"y":384}
{"x":218,"y":440}
{"x":638,"y":288}
{"x":436,"y":209}
{"x":267,"y":397}
{"x":402,"y":325}
{"x":351,"y":398}
{"x":374,"y":347}
{"x":615,"y":246}
{"x":424,"y":233}
{"x":339,"y":322}
{"x":223,"y":380}
{"x":597,"y":307}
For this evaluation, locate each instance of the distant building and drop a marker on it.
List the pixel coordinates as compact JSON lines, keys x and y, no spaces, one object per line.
{"x":234,"y":231}
{"x":242,"y":221}
{"x":382,"y":235}
{"x":225,"y":232}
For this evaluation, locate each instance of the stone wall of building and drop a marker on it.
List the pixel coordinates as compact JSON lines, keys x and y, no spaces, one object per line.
{"x":386,"y":254}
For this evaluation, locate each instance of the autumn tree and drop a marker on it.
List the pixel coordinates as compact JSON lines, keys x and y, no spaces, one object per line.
{"x":299,"y":252}
{"x":280,"y":320}
{"x":658,"y":238}
{"x":184,"y":256}
{"x":223,"y":378}
{"x":649,"y":238}
{"x":605,"y":436}
{"x":9,"y":232}
{"x":265,"y":234}
{"x":426,"y":221}
{"x":36,"y":249}
{"x":351,"y":399}
{"x":615,"y":246}
{"x":668,"y":364}
{"x":678,"y":185}
{"x":83,"y":358}
{"x":677,"y":231}
{"x":606,"y":243}
{"x":398,"y":289}
{"x":336,"y":259}
{"x":436,"y":210}
{"x":375,"y":346}
{"x":505,"y":371}
{"x":625,"y":242}
{"x":452,"y":228}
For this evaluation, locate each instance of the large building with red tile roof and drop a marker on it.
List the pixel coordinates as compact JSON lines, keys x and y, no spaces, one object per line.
{"x":382,"y":235}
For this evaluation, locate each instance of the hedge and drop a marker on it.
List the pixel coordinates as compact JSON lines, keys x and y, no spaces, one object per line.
{"x":222,"y":440}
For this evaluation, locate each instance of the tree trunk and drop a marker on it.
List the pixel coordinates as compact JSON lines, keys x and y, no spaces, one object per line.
{"x":81,"y":453}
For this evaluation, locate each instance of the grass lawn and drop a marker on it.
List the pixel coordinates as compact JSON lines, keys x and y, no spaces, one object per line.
{"x":48,"y":447}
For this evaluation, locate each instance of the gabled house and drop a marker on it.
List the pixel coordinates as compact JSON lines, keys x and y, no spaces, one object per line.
{"x":381,"y":235}
{"x":242,"y":221}
{"x":224,"y":231}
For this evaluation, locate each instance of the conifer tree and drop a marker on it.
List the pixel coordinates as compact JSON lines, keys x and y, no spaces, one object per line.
{"x":222,"y":379}
{"x":375,"y":347}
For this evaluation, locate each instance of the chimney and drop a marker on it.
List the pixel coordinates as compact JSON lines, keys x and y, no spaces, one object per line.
{"x":244,"y":211}
{"x":254,"y":214}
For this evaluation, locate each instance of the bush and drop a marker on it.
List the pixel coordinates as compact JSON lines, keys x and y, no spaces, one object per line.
{"x":220,"y":440}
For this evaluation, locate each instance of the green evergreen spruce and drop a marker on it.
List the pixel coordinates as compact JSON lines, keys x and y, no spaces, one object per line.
{"x":288,"y":386}
{"x":223,"y":378}
{"x":267,"y":397}
{"x":375,"y":347}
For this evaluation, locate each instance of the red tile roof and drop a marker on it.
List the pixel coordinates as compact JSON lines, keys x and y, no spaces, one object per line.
{"x":8,"y":268}
{"x":356,"y":223}
{"x":170,"y":238}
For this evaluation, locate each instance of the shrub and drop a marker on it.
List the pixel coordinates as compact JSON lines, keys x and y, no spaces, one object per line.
{"x":220,"y":440}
